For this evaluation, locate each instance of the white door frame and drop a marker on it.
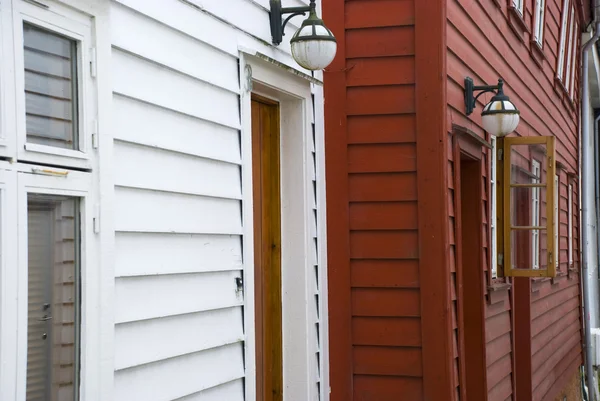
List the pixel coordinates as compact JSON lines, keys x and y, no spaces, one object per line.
{"x":293,"y":91}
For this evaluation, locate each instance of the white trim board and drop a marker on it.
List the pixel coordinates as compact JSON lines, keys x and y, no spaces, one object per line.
{"x":294,"y":94}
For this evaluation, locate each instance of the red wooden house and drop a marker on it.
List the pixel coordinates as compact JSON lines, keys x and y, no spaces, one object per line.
{"x":419,"y":305}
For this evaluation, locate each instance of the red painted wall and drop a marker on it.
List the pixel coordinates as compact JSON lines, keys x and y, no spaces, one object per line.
{"x":392,"y":96}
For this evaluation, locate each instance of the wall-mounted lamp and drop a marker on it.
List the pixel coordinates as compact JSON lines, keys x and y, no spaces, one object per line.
{"x":313,"y":45}
{"x":500,"y":117}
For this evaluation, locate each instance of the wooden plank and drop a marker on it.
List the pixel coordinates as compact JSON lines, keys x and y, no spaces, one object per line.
{"x":385,"y":302}
{"x":386,"y":331}
{"x":186,"y":375}
{"x":556,"y":374}
{"x":498,"y":349}
{"x":175,"y":213}
{"x":502,"y":390}
{"x":173,"y":91}
{"x":338,"y":194}
{"x":171,"y":48}
{"x":498,"y":370}
{"x":387,"y":388}
{"x":387,"y":361}
{"x":497,"y":326}
{"x":144,"y":342}
{"x":382,"y":187}
{"x":139,"y":298}
{"x":381,"y":71}
{"x":563,"y":324}
{"x":382,"y":158}
{"x":146,"y":124}
{"x":380,"y":42}
{"x":141,"y":254}
{"x":384,"y":245}
{"x":384,"y":273}
{"x":233,"y":390}
{"x":391,"y":99}
{"x":432,"y":144}
{"x":379,"y":13}
{"x":383,"y":216}
{"x":395,"y":128}
{"x":560,"y":379}
{"x":151,"y":168}
{"x":550,"y":317}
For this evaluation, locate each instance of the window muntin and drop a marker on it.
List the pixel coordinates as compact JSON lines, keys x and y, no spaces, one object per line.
{"x":53,"y":321}
{"x":51,"y":98}
{"x":538,"y":28}
{"x":535,"y":214}
{"x":517,"y":195}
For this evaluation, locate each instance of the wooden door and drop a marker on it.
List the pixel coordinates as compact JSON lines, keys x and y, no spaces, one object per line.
{"x":267,"y":248}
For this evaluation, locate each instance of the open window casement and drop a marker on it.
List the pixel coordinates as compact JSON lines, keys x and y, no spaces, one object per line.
{"x":526,"y":201}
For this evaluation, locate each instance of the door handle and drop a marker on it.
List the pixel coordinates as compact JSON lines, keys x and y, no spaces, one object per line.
{"x":45,"y":319}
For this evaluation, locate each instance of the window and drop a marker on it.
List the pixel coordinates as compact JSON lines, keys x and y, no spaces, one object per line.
{"x":55,"y":94}
{"x":568,"y":48}
{"x":570,"y":228}
{"x":535,"y":214}
{"x":528,"y":201}
{"x":50,"y":88}
{"x":538,"y":27}
{"x":563,"y":38}
{"x":518,"y":5}
{"x":493,"y":213}
{"x":53,"y":321}
{"x":556,"y":221}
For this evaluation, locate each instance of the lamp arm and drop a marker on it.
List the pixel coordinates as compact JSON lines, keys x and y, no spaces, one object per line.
{"x":300,"y":11}
{"x":490,"y":89}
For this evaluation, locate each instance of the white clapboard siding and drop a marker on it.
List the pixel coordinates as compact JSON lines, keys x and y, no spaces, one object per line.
{"x":147,"y":124}
{"x":153,"y":83}
{"x":234,"y":390}
{"x":159,"y":339}
{"x":172,"y":48}
{"x":140,"y":254}
{"x":149,"y":297}
{"x":181,"y":376}
{"x":162,"y":170}
{"x":153,"y":211}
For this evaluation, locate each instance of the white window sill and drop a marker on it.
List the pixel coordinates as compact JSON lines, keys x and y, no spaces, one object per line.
{"x":75,"y":154}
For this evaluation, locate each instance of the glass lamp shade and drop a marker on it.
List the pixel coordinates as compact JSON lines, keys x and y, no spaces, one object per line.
{"x":500,"y":117}
{"x":313,"y":45}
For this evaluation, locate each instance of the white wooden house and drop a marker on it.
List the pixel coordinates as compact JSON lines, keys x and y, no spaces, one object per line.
{"x":127,"y":215}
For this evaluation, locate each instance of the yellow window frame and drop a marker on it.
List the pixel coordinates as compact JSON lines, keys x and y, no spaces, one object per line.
{"x":504,"y":217}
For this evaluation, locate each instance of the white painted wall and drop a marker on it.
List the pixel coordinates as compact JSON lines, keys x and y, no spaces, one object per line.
{"x":179,"y":196}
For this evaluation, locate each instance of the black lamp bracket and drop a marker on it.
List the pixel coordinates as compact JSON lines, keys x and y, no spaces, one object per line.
{"x":470,"y":90}
{"x":276,"y":17}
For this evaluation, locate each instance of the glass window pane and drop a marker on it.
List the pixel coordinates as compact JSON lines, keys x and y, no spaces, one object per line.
{"x":53,"y":322}
{"x":522,"y":160}
{"x":50,"y":88}
{"x":529,"y":249}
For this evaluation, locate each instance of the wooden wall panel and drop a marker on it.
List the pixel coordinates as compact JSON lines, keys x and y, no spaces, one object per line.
{"x":481,"y":44}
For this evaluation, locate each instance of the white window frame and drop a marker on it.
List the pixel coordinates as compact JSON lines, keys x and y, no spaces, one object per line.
{"x":54,"y":181}
{"x":567,"y":81}
{"x":563,"y":37}
{"x":536,"y":171}
{"x":518,"y":6}
{"x":494,"y":206}
{"x":539,"y":22}
{"x":556,"y":222}
{"x":76,"y":26}
{"x":570,"y":222}
{"x":7,"y":82}
{"x":573,"y":60}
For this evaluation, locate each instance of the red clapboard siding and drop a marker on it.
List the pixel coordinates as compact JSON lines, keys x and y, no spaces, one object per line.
{"x":383,"y":216}
{"x":379,"y":13}
{"x":384,"y":273}
{"x":380,"y":42}
{"x":382,"y":187}
{"x":382,"y":128}
{"x":502,"y":391}
{"x":387,"y":388}
{"x":401,"y":331}
{"x":385,"y":302}
{"x":387,"y":361}
{"x":380,"y":71}
{"x":365,"y":100}
{"x":384,"y":245}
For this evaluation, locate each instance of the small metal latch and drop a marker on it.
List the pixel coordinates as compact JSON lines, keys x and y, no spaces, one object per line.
{"x":239,"y":283}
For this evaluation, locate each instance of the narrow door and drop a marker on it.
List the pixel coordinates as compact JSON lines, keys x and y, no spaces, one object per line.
{"x":53,"y":298}
{"x":267,"y":248}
